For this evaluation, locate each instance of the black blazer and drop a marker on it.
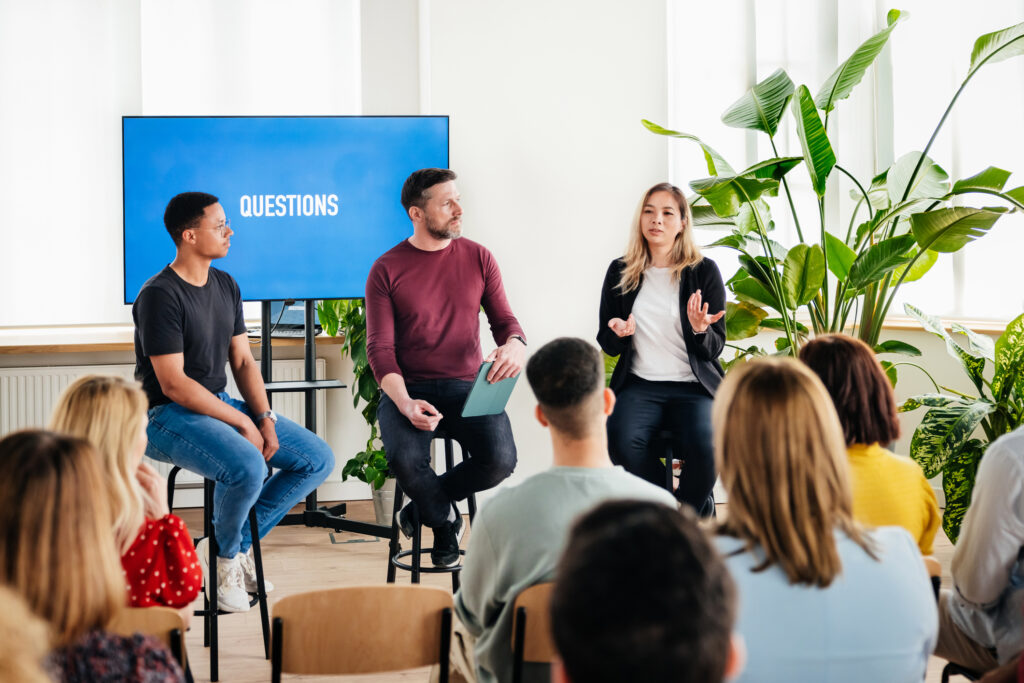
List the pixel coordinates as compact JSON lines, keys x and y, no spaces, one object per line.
{"x":703,"y":349}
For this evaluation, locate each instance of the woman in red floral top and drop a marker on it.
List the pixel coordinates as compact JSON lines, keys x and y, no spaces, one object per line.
{"x":159,"y":562}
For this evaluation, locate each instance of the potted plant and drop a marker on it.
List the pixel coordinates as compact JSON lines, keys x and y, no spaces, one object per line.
{"x":944,"y":442}
{"x":904,"y":216}
{"x":348,"y":318}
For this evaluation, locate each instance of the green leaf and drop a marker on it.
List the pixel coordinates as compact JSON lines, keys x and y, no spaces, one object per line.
{"x":705,"y":217}
{"x":726,"y":193}
{"x":991,"y":178}
{"x":609,"y":367}
{"x":803,"y":273}
{"x":717,"y":165}
{"x":327,"y":313}
{"x":931,"y":180}
{"x":778,"y":324}
{"x":733,"y":241}
{"x":750,"y":290}
{"x":997,"y":46}
{"x":958,"y":484}
{"x":896,"y":346}
{"x":979,"y":345}
{"x":878,"y":193}
{"x":1016,"y":193}
{"x":919,"y":267}
{"x":775,"y":168}
{"x":973,"y":365}
{"x":781,"y":344}
{"x":1009,"y":360}
{"x":813,"y":141}
{"x":943,"y":431}
{"x":761,"y":107}
{"x":891,"y":371}
{"x":947,"y":230}
{"x":759,"y":268}
{"x":848,"y":74}
{"x":880,"y":259}
{"x":742,"y":320}
{"x":840,"y":256}
{"x":746,"y":223}
{"x":931,"y":401}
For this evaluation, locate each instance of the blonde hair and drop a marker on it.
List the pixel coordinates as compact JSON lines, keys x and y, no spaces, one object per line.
{"x":781,"y":454}
{"x":685,"y":252}
{"x":56,"y":549}
{"x":107,"y":411}
{"x":24,"y":641}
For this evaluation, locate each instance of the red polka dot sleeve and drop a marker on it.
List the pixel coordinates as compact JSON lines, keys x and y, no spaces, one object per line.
{"x":161,"y":567}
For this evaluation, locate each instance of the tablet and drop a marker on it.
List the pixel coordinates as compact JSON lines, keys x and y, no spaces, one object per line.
{"x":486,"y":398}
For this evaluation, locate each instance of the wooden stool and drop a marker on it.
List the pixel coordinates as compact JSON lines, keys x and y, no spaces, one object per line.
{"x":395,"y":552}
{"x":210,"y":611}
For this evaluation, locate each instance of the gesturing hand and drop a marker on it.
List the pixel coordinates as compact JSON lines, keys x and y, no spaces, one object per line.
{"x":508,"y":360}
{"x":700,"y":321}
{"x":154,"y":489}
{"x":421,"y":414}
{"x":623,"y":328}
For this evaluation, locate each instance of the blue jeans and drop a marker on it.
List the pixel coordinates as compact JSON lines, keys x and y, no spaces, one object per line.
{"x":487,"y":440}
{"x":215,"y":450}
{"x":684,"y":408}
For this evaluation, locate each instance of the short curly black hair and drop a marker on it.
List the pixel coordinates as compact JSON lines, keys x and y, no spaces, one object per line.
{"x":184,"y":210}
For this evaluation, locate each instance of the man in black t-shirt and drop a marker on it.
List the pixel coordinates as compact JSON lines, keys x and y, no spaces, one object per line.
{"x":188,"y":326}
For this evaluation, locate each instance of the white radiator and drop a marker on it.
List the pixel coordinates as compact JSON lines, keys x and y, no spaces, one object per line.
{"x":28,"y":396}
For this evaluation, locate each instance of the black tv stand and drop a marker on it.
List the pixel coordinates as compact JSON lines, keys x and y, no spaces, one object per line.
{"x":313,"y":515}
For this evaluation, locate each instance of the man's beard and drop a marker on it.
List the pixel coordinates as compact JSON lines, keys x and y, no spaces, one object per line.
{"x":444,"y":233}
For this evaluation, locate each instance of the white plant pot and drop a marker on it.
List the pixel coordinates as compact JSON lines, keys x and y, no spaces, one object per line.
{"x":384,"y":502}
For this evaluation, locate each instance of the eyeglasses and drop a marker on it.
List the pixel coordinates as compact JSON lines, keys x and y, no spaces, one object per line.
{"x":223,"y":228}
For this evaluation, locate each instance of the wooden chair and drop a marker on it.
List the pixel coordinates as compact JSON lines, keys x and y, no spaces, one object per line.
{"x":362,"y":629}
{"x":163,"y":623}
{"x":531,"y":637}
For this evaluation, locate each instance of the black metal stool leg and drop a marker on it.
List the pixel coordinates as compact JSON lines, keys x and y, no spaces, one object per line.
{"x":211,"y":612}
{"x":261,"y":584}
{"x":417,"y":544}
{"x":171,"y":476}
{"x":394,"y":545}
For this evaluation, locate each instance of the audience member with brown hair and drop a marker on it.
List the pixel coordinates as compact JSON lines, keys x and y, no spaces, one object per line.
{"x":57,"y":552}
{"x":642,"y":595}
{"x":856,"y":605}
{"x":23,"y":641}
{"x":887,"y":489}
{"x":160,"y":564}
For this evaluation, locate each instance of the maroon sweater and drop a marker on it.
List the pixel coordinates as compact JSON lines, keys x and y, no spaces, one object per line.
{"x":423,"y":311}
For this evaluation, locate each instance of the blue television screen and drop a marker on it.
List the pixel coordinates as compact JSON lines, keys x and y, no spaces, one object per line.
{"x":313,"y":201}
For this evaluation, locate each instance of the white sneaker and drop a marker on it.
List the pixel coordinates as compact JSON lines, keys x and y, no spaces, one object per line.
{"x":231,"y":595}
{"x":249,"y":572}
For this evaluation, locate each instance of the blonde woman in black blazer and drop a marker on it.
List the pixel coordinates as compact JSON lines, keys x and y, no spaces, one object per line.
{"x":663,"y":314}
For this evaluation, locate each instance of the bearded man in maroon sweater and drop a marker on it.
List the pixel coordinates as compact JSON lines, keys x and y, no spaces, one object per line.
{"x":423,"y":300}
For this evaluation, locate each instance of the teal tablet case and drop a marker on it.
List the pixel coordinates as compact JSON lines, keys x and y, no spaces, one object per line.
{"x":486,"y":398}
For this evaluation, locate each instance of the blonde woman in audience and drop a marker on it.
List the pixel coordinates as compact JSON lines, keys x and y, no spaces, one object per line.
{"x":23,"y":641}
{"x":159,"y":561}
{"x":57,"y":552}
{"x":887,"y":489}
{"x":820,"y":597}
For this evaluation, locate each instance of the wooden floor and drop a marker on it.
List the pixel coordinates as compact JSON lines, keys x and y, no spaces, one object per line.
{"x":299,"y":559}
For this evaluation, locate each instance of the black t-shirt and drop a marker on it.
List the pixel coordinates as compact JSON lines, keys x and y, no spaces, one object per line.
{"x":172,"y":316}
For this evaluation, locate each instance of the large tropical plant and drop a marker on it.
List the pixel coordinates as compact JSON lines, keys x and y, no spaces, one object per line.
{"x":348,"y":318}
{"x":903,"y":219}
{"x":945,"y":442}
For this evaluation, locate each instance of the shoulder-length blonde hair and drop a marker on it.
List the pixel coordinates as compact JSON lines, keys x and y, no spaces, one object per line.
{"x":685,"y":251}
{"x":108,"y":411}
{"x":782,"y":458}
{"x":56,"y":549}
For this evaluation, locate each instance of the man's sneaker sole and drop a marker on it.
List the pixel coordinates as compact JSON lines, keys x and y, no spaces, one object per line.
{"x":451,"y":559}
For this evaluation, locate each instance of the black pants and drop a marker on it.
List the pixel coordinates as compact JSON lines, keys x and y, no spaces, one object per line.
{"x":645,"y":408}
{"x":487,"y":439}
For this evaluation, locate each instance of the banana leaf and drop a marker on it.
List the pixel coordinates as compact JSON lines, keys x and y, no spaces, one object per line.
{"x":803,"y":273}
{"x":813,"y":140}
{"x":847,"y":75}
{"x":761,"y":107}
{"x":947,"y":230}
{"x":717,"y":165}
{"x":880,"y":259}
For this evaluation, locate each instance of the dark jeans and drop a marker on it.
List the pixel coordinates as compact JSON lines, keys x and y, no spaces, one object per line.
{"x":642,"y":410}
{"x":487,"y":440}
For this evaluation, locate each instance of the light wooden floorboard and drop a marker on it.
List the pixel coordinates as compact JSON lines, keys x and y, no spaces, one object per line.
{"x":298,"y":559}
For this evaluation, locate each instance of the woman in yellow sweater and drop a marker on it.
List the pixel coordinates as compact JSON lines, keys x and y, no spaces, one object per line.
{"x":888,"y":489}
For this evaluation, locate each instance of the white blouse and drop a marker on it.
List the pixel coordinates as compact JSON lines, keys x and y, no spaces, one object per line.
{"x":659,"y":351}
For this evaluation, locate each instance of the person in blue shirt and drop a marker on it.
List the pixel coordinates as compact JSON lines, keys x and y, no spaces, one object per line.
{"x":821,"y":598}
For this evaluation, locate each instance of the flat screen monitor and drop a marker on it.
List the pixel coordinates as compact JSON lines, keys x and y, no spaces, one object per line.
{"x":313,"y":201}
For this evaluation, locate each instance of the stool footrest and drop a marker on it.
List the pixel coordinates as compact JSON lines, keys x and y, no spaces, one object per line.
{"x":396,"y":560}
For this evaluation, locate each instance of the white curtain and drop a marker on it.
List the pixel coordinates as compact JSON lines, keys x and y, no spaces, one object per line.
{"x":70,"y":69}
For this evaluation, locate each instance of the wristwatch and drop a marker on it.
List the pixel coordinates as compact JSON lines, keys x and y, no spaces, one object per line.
{"x":266,"y":414}
{"x":519,"y":337}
